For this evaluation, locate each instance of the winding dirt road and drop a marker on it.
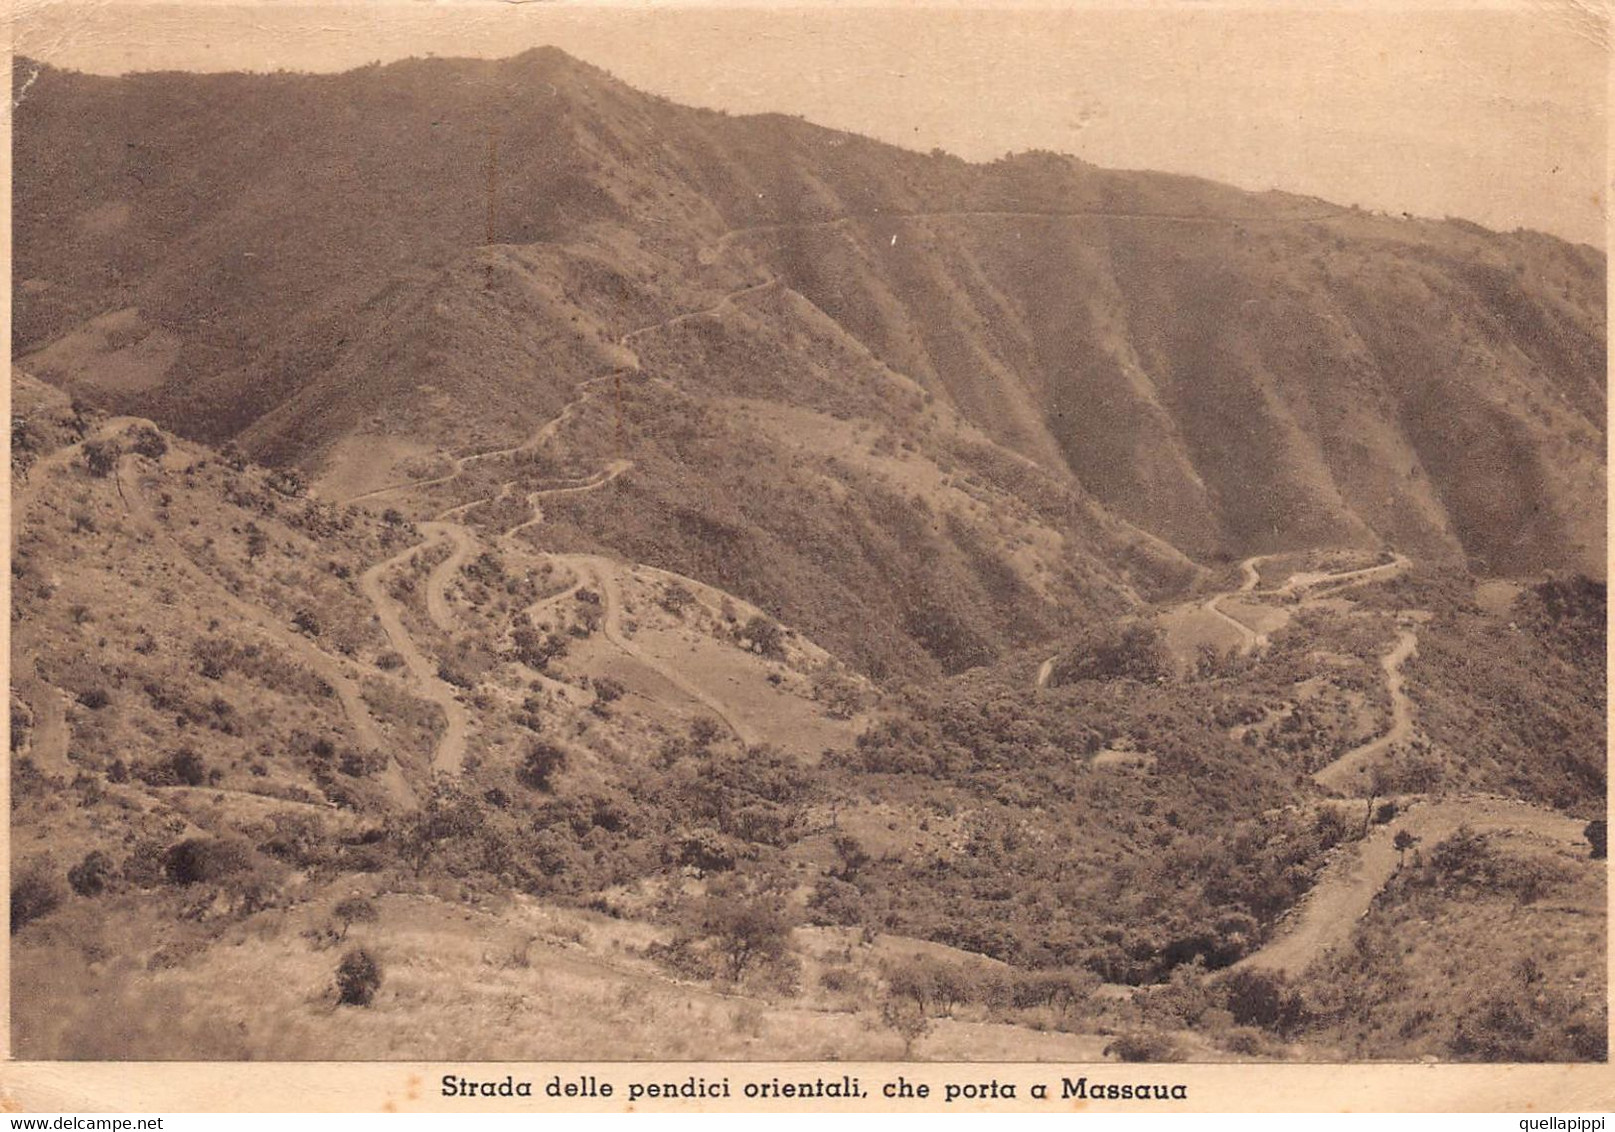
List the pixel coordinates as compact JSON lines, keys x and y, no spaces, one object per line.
{"x":450,"y":751}
{"x":1350,"y":768}
{"x":602,"y":573}
{"x":705,"y":312}
{"x":1324,"y":920}
{"x":1046,"y":670}
{"x":50,"y":737}
{"x":548,"y":431}
{"x":437,"y":582}
{"x":322,"y":663}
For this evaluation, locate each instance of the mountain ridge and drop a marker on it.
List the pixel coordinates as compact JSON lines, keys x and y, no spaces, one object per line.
{"x":1115,"y":327}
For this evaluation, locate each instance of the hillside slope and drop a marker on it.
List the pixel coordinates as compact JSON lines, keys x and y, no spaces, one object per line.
{"x":436,"y":252}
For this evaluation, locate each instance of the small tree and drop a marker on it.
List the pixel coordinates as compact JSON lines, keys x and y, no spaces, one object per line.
{"x":101,"y":457}
{"x":913,"y":980}
{"x":257,"y":541}
{"x":908,"y":1021}
{"x":543,"y":761}
{"x":1402,"y":842}
{"x":1379,"y":784}
{"x":747,"y":932}
{"x":354,"y":910}
{"x":358,"y":977}
{"x":852,"y":855}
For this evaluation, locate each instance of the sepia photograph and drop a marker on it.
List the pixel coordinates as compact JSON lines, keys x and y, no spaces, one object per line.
{"x":1057,"y":535}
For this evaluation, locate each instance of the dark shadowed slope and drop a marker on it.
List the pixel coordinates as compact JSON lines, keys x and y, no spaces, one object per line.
{"x":298,"y":260}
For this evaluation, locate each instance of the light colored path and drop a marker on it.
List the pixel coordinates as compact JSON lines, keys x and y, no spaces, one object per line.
{"x":50,"y":736}
{"x":1347,"y":771}
{"x":449,"y":755}
{"x":26,"y":489}
{"x":1324,"y":920}
{"x":593,"y":483}
{"x":437,"y":582}
{"x":543,"y":435}
{"x":450,"y":752}
{"x":706,"y":312}
{"x":602,"y":572}
{"x":1249,"y":639}
{"x":548,"y":431}
{"x":1046,"y":670}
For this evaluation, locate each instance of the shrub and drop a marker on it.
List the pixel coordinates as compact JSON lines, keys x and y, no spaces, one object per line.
{"x":358,"y":977}
{"x":1144,"y":1045}
{"x":536,"y":649}
{"x":1243,"y":1040}
{"x":148,"y":442}
{"x":198,"y":860}
{"x":36,"y":892}
{"x":359,"y":764}
{"x":765,"y":636}
{"x":841,"y":696}
{"x":145,"y":865}
{"x":1597,"y":835}
{"x":840,"y":980}
{"x":704,"y":730}
{"x":542,"y":763}
{"x":1261,"y":998}
{"x":182,"y":768}
{"x":1135,"y":652}
{"x":1529,"y":1027}
{"x":676,"y":598}
{"x":91,"y":876}
{"x":187,"y":767}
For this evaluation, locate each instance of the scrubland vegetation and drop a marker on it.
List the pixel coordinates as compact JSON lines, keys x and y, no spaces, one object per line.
{"x":824,"y":622}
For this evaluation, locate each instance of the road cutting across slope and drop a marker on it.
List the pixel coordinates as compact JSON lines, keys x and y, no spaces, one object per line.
{"x":324,"y":665}
{"x":1345,"y":771}
{"x":450,"y":751}
{"x":602,"y":573}
{"x":1324,"y":919}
